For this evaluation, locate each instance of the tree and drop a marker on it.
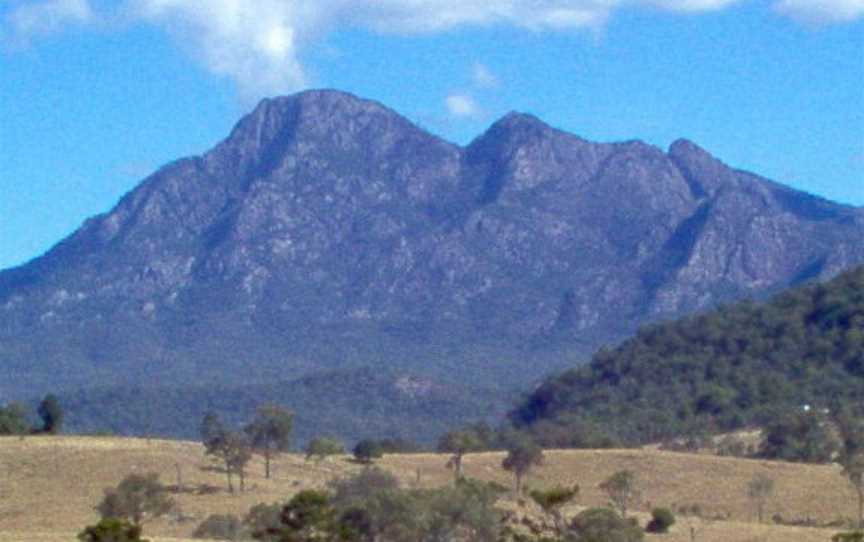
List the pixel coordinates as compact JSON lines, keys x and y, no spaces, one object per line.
{"x":308,"y":517}
{"x":661,"y":520}
{"x":321,"y":447}
{"x":233,"y":450}
{"x":270,"y":432}
{"x":212,"y":431}
{"x":13,"y":419}
{"x":366,"y":451}
{"x":112,"y":530}
{"x":622,"y":489}
{"x":853,"y":468}
{"x":522,"y":456}
{"x":759,"y":490}
{"x":51,"y":414}
{"x":551,"y":501}
{"x":136,"y":498}
{"x":604,"y":525}
{"x":458,"y":443}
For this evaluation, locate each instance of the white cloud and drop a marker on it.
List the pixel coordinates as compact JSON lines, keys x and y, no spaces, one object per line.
{"x":258,"y":43}
{"x":26,"y":20}
{"x":821,"y":11}
{"x":462,"y":105}
{"x":482,"y":76}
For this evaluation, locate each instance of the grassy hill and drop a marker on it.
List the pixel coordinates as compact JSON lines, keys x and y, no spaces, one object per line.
{"x":734,"y":367}
{"x":51,"y":484}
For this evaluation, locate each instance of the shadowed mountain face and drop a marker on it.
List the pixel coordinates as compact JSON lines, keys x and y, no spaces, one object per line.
{"x":328,"y":232}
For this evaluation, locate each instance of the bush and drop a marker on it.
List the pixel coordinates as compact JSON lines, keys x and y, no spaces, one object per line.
{"x":855,"y":536}
{"x":220,"y":527}
{"x":604,"y":525}
{"x":112,"y":530}
{"x":661,"y":520}
{"x":367,"y":450}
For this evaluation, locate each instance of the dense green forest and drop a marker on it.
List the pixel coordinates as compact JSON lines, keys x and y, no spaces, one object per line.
{"x":738,"y":366}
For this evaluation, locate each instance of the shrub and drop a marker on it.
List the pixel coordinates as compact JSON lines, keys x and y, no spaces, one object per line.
{"x":220,"y":527}
{"x":112,"y":530}
{"x":661,"y":520}
{"x":854,"y":536}
{"x":604,"y":525}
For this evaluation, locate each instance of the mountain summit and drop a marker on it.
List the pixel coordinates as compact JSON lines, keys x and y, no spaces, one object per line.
{"x":328,"y":231}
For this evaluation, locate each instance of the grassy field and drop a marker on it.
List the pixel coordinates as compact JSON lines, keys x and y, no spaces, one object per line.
{"x":50,"y":485}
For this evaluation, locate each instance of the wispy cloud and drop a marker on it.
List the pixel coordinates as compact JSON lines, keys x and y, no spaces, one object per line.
{"x":482,"y":76}
{"x":462,"y":105}
{"x":258,"y":43}
{"x":821,"y":12}
{"x":25,"y":21}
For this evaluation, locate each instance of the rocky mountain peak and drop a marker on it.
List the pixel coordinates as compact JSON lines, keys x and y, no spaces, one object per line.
{"x":327,"y":228}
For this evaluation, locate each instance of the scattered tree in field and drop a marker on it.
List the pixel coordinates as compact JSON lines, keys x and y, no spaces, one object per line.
{"x":522,"y":456}
{"x":366,"y":451}
{"x":458,"y":443}
{"x":112,"y":530}
{"x":604,"y":525}
{"x":13,"y":420}
{"x":270,"y":431}
{"x":551,"y":501}
{"x":234,"y":452}
{"x":320,"y":448}
{"x":622,"y":489}
{"x":136,"y":498}
{"x":212,"y":431}
{"x":759,"y":490}
{"x":51,"y":413}
{"x":853,"y":468}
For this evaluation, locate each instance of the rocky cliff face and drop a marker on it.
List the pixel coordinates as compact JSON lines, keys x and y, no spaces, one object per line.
{"x":327,"y":231}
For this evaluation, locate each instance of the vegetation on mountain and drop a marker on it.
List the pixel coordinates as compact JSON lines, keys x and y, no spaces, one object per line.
{"x":791,"y":361}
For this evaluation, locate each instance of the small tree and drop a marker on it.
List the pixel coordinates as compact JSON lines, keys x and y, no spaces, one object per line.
{"x":320,"y":448}
{"x":622,"y":489}
{"x":458,"y":443}
{"x":233,"y":451}
{"x":51,"y":414}
{"x":136,"y":498}
{"x":552,"y":501}
{"x":212,"y":431}
{"x":112,"y":530}
{"x":13,"y":419}
{"x":759,"y":490}
{"x":523,"y":455}
{"x":853,"y":468}
{"x":270,"y":432}
{"x":366,"y":451}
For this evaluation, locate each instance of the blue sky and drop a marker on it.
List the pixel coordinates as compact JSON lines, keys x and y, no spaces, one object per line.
{"x":97,"y":94}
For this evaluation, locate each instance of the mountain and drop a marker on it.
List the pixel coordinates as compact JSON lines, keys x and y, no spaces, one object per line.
{"x":327,"y":232}
{"x":734,"y":367}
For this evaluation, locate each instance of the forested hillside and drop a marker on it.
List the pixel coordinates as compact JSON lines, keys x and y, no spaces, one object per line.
{"x":733,"y":367}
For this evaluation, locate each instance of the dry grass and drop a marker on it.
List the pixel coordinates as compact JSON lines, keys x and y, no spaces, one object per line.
{"x":49,"y":486}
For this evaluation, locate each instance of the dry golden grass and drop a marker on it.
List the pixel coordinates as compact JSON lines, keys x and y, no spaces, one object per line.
{"x":50,"y":485}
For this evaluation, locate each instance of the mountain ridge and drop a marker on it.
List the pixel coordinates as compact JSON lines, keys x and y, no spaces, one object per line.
{"x":327,"y":231}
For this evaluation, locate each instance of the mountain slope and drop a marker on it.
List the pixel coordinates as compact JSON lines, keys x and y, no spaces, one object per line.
{"x":328,"y":232}
{"x":722,"y":370}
